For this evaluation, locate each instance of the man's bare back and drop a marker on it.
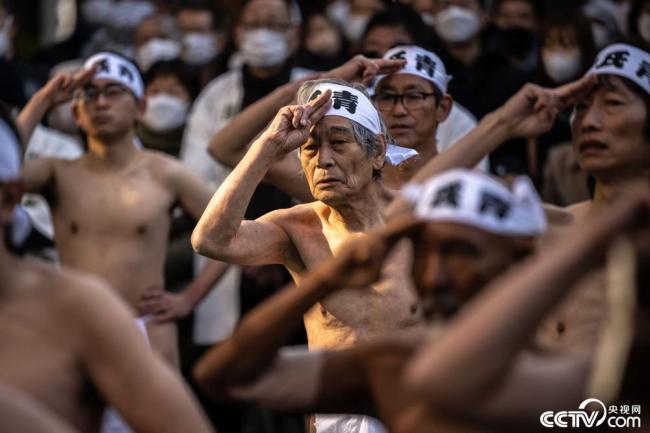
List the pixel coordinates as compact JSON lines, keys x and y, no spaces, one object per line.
{"x":69,"y":343}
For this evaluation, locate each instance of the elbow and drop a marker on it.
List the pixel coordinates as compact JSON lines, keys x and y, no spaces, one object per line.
{"x":201,"y":377}
{"x":199,"y":241}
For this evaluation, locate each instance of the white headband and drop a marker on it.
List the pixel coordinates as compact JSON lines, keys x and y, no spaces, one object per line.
{"x":9,"y":153}
{"x":354,"y":105}
{"x":625,"y":61}
{"x":117,"y":68}
{"x":421,"y":63}
{"x":474,"y":199}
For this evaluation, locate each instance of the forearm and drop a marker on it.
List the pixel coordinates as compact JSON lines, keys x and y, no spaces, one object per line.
{"x":223,"y":216}
{"x":209,"y":275}
{"x":230,"y":144}
{"x":499,"y":324}
{"x":258,"y":338}
{"x":31,"y":115}
{"x":488,"y":135}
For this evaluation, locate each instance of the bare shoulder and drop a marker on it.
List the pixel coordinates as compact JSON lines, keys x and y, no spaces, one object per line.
{"x":298,"y":215}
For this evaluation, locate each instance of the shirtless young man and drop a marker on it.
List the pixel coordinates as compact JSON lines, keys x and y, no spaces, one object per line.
{"x":68,"y":342}
{"x":111,"y":207}
{"x":341,"y":155}
{"x":469,"y":229}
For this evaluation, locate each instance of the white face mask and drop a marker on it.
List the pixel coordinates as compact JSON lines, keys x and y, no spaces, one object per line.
{"x":560,"y":66}
{"x":61,"y":118}
{"x":164,"y":112}
{"x":155,"y":50}
{"x":644,"y":26}
{"x":354,"y":26}
{"x":264,"y":48}
{"x":456,"y":24}
{"x":199,"y":48}
{"x":428,"y":18}
{"x":601,"y":35}
{"x":5,"y":39}
{"x":622,"y":12}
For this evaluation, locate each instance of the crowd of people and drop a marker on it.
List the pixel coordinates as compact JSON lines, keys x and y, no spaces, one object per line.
{"x":348,"y":216}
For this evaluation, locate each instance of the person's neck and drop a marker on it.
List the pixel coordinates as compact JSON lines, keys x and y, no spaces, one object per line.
{"x":397,"y":176}
{"x":111,"y":154}
{"x":465,"y":52}
{"x":609,"y":188}
{"x":361,"y":212}
{"x":264,"y":73}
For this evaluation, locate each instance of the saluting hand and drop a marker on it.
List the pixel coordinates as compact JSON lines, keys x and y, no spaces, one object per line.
{"x":290,"y":127}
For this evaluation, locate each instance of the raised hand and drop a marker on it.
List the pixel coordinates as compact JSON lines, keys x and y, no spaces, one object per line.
{"x":61,"y":87}
{"x":532,"y":110}
{"x":364,"y":70}
{"x":291,"y":125}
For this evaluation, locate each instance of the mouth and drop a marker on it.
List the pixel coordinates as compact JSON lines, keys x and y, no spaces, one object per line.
{"x":400,"y":128}
{"x":101,"y":119}
{"x":327,"y":181}
{"x":589,"y":146}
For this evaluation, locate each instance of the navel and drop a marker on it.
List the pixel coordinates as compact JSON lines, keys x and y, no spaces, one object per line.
{"x":74,"y":228}
{"x":141,"y":229}
{"x":414,"y":308}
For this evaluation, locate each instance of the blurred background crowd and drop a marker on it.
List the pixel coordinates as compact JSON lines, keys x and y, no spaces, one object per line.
{"x":204,"y":61}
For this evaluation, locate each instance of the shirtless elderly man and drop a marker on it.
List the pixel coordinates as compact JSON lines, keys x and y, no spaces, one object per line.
{"x":342,"y":145}
{"x":68,"y":342}
{"x":111,"y":207}
{"x":469,"y":229}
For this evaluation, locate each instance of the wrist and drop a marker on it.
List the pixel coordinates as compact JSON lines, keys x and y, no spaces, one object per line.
{"x":497,"y":127}
{"x":267,"y":148}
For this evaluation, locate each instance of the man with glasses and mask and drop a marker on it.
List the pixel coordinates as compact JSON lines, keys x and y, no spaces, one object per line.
{"x":111,"y":207}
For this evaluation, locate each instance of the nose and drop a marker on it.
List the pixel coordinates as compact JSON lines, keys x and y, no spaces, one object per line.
{"x":325,"y":157}
{"x":434,"y":275}
{"x":591,"y":119}
{"x":399,"y":109}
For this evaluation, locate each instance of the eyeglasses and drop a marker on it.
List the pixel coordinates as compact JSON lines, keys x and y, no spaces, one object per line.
{"x":278,"y":27}
{"x":110,"y":92}
{"x":410,"y":100}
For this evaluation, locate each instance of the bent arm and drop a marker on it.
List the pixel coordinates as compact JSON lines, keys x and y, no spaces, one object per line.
{"x":499,"y":323}
{"x":232,"y":142}
{"x":222,"y":233}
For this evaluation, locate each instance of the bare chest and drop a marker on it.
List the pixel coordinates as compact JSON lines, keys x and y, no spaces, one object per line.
{"x":351,"y":315}
{"x":129,"y":203}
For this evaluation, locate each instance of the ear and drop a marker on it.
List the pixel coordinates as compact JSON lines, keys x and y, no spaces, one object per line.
{"x":238,"y":35}
{"x":379,"y":158}
{"x":444,"y":108}
{"x":141,"y":106}
{"x":10,"y":195}
{"x":75,"y":112}
{"x":294,"y":38}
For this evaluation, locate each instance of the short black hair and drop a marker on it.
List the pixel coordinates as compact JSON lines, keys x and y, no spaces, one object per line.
{"x":185,"y":74}
{"x":535,"y":4}
{"x":218,"y":15}
{"x":398,"y":15}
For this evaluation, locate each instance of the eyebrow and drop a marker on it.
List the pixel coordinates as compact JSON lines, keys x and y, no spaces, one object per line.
{"x":339,"y":129}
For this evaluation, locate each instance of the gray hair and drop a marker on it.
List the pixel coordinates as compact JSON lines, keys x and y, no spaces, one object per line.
{"x":362,"y":135}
